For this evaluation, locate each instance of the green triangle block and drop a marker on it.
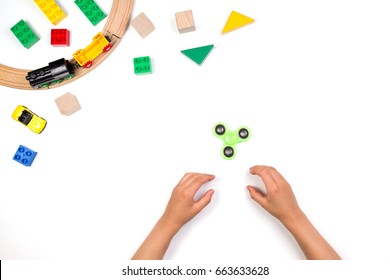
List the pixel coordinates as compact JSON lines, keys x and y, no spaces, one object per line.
{"x":198,"y":54}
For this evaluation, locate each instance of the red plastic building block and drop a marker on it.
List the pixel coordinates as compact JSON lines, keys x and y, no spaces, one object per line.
{"x":60,"y":38}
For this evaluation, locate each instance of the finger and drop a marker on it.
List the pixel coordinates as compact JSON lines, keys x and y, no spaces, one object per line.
{"x":265,"y":173}
{"x":204,"y":200}
{"x":198,"y":181}
{"x":257,"y":169}
{"x":186,"y":177}
{"x":278,"y":178}
{"x":189,"y":177}
{"x":257,"y":195}
{"x":187,"y":180}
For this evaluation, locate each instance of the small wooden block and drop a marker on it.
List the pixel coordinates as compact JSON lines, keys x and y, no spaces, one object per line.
{"x":68,"y":104}
{"x":142,"y":25}
{"x":185,"y":21}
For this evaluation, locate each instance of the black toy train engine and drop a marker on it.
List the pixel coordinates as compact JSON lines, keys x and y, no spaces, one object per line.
{"x":55,"y":73}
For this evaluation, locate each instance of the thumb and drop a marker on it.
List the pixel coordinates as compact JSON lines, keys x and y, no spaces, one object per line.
{"x":257,"y":196}
{"x":204,"y":200}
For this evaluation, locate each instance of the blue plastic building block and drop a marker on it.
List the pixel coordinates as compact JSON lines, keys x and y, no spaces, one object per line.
{"x":24,"y":155}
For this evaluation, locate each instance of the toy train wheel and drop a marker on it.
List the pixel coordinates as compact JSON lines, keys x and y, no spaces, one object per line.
{"x":88,"y":64}
{"x":107,"y":48}
{"x":69,"y":77}
{"x":56,"y":82}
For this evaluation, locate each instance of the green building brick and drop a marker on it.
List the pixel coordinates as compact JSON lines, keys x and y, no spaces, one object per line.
{"x":91,"y":10}
{"x":142,"y":65}
{"x":24,"y":34}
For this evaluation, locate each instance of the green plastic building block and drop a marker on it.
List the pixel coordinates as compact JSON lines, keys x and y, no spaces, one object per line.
{"x":142,"y":65}
{"x":231,"y":138}
{"x":91,"y":10}
{"x":199,"y":54}
{"x":24,"y":34}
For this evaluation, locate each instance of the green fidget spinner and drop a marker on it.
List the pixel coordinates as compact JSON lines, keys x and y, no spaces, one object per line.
{"x":231,"y":138}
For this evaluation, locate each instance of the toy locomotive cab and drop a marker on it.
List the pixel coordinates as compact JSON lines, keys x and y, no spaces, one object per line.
{"x":54,"y":73}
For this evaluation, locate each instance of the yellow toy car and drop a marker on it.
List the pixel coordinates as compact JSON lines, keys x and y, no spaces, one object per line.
{"x":35,"y":123}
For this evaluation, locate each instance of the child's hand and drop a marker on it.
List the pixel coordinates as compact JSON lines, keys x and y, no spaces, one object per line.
{"x":279,"y":200}
{"x":182,"y":207}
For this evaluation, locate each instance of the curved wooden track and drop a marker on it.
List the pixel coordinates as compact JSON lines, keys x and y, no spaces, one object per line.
{"x":115,"y":27}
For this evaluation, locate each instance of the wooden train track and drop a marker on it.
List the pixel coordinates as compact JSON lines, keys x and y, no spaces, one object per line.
{"x":115,"y":27}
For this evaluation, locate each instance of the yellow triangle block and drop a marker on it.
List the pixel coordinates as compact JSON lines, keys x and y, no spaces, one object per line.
{"x":235,"y":21}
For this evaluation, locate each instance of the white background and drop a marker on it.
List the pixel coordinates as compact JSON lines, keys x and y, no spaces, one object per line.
{"x":310,"y":78}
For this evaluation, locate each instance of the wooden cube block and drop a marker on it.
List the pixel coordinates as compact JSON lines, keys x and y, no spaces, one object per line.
{"x":67,"y":104}
{"x":142,"y":25}
{"x":185,"y":21}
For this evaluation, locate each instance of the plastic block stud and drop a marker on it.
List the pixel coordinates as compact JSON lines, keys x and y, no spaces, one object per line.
{"x":199,"y":54}
{"x":142,"y":65}
{"x":24,"y":34}
{"x":51,"y":10}
{"x":91,"y":10}
{"x":230,"y":138}
{"x":60,"y":38}
{"x":24,"y":155}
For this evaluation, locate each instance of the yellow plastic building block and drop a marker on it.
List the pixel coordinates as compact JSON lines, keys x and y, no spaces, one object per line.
{"x":235,"y":21}
{"x":100,"y":44}
{"x":51,"y":10}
